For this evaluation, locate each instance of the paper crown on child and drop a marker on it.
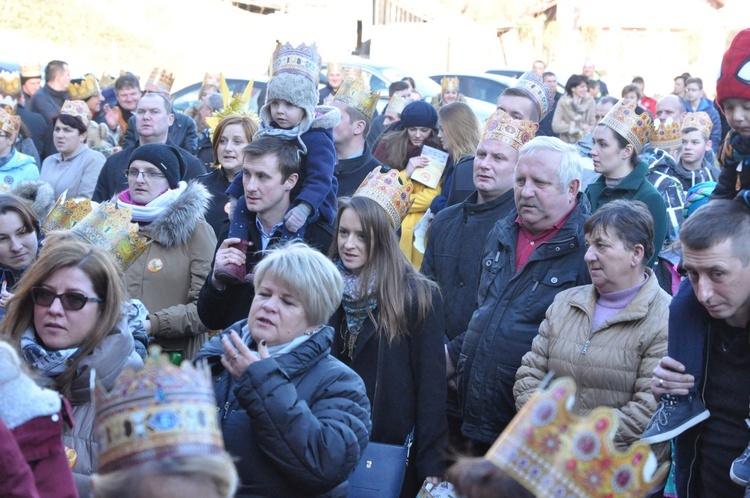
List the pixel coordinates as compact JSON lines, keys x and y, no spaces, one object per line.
{"x":539,"y":93}
{"x":734,"y":78}
{"x":398,"y":102}
{"x":635,"y":128}
{"x":31,"y":70}
{"x":388,"y":190}
{"x":515,"y":132}
{"x":160,"y":81}
{"x":666,"y":134}
{"x":233,"y":104}
{"x":78,"y":109}
{"x":449,"y":84}
{"x":355,"y":93}
{"x":700,"y":121}
{"x":9,"y":122}
{"x":66,"y":213}
{"x":303,"y":60}
{"x":84,"y":88}
{"x":212,"y":80}
{"x":106,"y":81}
{"x":552,"y":452}
{"x":158,"y":412}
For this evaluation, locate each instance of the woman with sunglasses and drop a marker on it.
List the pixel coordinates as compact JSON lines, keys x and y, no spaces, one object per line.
{"x":168,"y":277}
{"x":67,"y":321}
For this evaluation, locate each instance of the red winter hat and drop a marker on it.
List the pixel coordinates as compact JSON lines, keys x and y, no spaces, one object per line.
{"x":734,"y":79}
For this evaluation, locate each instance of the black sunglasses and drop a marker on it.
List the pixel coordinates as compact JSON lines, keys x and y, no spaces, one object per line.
{"x":70,"y":301}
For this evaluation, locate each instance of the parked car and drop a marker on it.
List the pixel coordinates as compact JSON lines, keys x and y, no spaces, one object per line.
{"x":509,"y":72}
{"x":484,"y":87}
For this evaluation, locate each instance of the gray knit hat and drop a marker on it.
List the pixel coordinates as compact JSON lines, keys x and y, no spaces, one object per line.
{"x":295,"y":89}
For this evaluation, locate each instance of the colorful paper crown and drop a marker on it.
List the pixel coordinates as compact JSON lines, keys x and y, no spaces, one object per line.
{"x":397,"y":103}
{"x":160,"y":81}
{"x":539,"y":93}
{"x":31,"y":70}
{"x":634,"y":128}
{"x":352,"y":72}
{"x":666,"y":134}
{"x":9,"y":122}
{"x":10,"y":84}
{"x":514,"y":132}
{"x":84,"y":88}
{"x":106,"y":81}
{"x":387,"y":189}
{"x":302,"y":60}
{"x":355,"y":93}
{"x":233,"y":104}
{"x":554,"y":453}
{"x":158,"y":412}
{"x":334,"y":67}
{"x":77,"y":109}
{"x":700,"y":121}
{"x":449,"y":84}
{"x":66,"y":213}
{"x":211,"y":80}
{"x":109,"y":227}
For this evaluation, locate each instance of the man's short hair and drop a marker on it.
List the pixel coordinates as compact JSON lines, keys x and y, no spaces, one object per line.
{"x":695,"y":80}
{"x":547,"y":74}
{"x":629,"y":221}
{"x":592,"y":84}
{"x":355,"y":115}
{"x":397,"y":86}
{"x":127,"y":81}
{"x":517,"y":92}
{"x":53,"y":69}
{"x":569,"y":168}
{"x":716,"y":222}
{"x":285,"y":150}
{"x":638,"y":79}
{"x":165,"y":100}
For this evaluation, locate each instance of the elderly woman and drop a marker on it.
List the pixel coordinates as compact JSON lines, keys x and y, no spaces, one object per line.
{"x":609,"y":335}
{"x":575,"y":113}
{"x":75,"y":167}
{"x":67,"y":320}
{"x":296,"y":419}
{"x":168,"y":277}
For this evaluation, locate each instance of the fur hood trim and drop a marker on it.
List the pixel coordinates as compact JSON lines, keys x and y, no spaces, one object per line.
{"x":178,"y":222}
{"x":326,"y":117}
{"x":39,"y":194}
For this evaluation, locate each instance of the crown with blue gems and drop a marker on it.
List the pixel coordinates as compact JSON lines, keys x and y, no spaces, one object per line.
{"x":554,"y":453}
{"x":503,"y":127}
{"x":633,"y":127}
{"x":530,"y":84}
{"x":158,"y":412}
{"x":355,"y":93}
{"x":387,"y":189}
{"x":303,"y":60}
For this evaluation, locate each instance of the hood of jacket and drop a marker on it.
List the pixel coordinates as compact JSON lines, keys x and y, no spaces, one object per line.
{"x":17,"y":161}
{"x":177,"y":224}
{"x":39,"y":194}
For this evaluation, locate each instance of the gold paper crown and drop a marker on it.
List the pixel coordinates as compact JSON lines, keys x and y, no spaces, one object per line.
{"x":302,"y":60}
{"x":84,"y":88}
{"x":233,"y":104}
{"x":666,"y":134}
{"x":10,"y":84}
{"x":158,"y":412}
{"x":31,"y":70}
{"x":9,"y":122}
{"x":106,"y":81}
{"x":334,"y":67}
{"x":515,"y":132}
{"x":634,"y":128}
{"x":552,"y":452}
{"x":449,"y":84}
{"x":397,"y":102}
{"x":387,"y":189}
{"x":77,"y":109}
{"x":66,"y":213}
{"x":109,"y":227}
{"x":355,"y":93}
{"x":212,"y":80}
{"x":160,"y":81}
{"x":701,"y":121}
{"x":538,"y":92}
{"x":352,"y":72}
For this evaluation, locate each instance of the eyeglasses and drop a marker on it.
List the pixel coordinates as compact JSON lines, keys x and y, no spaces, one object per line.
{"x":132,"y":174}
{"x":70,"y":301}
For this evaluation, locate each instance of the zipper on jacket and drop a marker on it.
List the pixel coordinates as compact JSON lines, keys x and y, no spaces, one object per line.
{"x":586,"y":346}
{"x":536,"y":284}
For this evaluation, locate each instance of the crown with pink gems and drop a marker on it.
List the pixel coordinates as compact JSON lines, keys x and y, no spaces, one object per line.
{"x":303,"y":60}
{"x":633,"y":127}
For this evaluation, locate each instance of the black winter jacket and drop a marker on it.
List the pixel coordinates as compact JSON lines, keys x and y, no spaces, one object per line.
{"x":183,"y":133}
{"x":297,"y":423}
{"x":511,"y":306}
{"x":351,"y":172}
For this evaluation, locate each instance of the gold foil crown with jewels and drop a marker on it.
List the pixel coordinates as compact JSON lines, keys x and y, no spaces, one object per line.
{"x":635,"y":128}
{"x":78,"y":109}
{"x":9,"y":122}
{"x":66,"y":213}
{"x":10,"y":84}
{"x":388,"y":190}
{"x":554,"y":453}
{"x":160,"y":81}
{"x":539,"y":93}
{"x":84,"y":88}
{"x":160,"y":411}
{"x":31,"y":70}
{"x":515,"y":132}
{"x":700,"y":121}
{"x":666,"y":134}
{"x":355,"y":93}
{"x":106,"y":81}
{"x":302,"y":60}
{"x":398,"y":102}
{"x":449,"y":84}
{"x":352,"y":72}
{"x":109,"y":227}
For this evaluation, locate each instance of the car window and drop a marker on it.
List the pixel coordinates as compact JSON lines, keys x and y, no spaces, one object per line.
{"x":482,"y":89}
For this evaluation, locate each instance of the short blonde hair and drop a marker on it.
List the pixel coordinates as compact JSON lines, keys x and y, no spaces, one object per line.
{"x":316,"y":279}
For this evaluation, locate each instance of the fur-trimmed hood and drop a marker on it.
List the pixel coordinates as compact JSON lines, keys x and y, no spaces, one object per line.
{"x":177,"y":224}
{"x":39,"y":194}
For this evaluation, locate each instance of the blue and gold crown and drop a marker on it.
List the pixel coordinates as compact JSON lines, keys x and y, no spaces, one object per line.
{"x":355,"y":93}
{"x":633,"y":127}
{"x":158,"y":412}
{"x":387,"y":189}
{"x":303,"y":60}
{"x":537,"y":91}
{"x":515,"y":132}
{"x":552,"y":452}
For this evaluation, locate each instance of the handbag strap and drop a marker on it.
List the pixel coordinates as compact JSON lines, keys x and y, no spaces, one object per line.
{"x":376,"y":396}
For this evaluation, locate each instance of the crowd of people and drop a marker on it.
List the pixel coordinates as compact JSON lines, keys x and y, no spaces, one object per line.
{"x":322,"y":278}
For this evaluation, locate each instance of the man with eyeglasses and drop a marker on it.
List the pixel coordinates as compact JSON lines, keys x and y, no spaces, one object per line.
{"x":153,"y":119}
